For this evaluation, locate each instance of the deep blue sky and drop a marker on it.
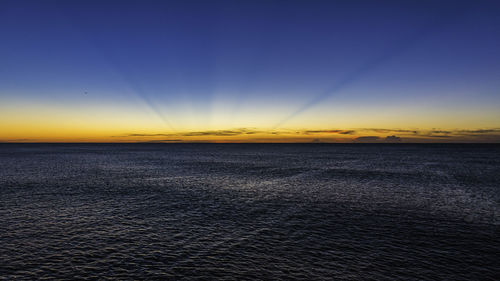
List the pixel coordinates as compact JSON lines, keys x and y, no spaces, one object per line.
{"x":296,"y":55}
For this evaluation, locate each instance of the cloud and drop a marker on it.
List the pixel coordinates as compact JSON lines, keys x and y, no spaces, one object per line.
{"x":440,"y":132}
{"x":350,"y":132}
{"x":161,"y":141}
{"x":234,"y":132}
{"x":434,"y":133}
{"x":342,"y":132}
{"x":17,"y":140}
{"x":146,"y":135}
{"x":388,"y":131}
{"x":479,"y":131}
{"x":216,"y":133}
{"x":438,"y":136}
{"x":367,"y":139}
{"x":356,"y":134}
{"x":392,"y":139}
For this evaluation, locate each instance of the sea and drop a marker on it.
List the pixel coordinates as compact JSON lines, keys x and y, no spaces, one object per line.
{"x":249,"y":211}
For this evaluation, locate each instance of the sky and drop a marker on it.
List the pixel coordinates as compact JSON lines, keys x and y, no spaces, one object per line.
{"x":249,"y":71}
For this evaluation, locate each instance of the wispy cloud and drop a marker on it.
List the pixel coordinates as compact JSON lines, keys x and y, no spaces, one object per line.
{"x":389,"y":131}
{"x":437,"y":136}
{"x":479,"y":131}
{"x":146,"y":135}
{"x":367,"y":139}
{"x":342,"y":132}
{"x":392,"y":139}
{"x":236,"y":132}
{"x":233,"y":132}
{"x":440,"y":132}
{"x":240,"y":132}
{"x":327,"y":135}
{"x":16,"y":140}
{"x":161,"y":141}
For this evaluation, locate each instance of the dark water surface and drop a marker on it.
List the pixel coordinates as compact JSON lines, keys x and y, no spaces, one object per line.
{"x":207,"y":211}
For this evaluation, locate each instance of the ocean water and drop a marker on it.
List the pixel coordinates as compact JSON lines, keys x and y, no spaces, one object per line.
{"x":241,"y":211}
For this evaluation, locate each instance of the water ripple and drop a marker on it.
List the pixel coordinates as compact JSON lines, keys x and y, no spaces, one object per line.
{"x":249,"y":212}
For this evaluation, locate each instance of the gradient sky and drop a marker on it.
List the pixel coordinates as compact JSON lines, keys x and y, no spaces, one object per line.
{"x":263,"y":71}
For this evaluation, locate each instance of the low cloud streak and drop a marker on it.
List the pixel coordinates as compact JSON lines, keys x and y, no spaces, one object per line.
{"x":336,"y":135}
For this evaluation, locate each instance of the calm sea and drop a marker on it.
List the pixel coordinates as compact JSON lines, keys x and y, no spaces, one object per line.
{"x":240,"y":211}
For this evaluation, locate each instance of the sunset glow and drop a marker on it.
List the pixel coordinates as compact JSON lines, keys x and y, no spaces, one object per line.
{"x":217,"y":71}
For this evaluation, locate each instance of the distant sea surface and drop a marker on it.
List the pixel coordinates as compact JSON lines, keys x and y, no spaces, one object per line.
{"x":249,"y":211}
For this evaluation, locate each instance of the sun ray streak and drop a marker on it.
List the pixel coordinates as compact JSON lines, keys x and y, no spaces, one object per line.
{"x":393,"y":51}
